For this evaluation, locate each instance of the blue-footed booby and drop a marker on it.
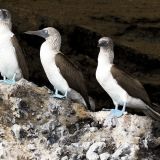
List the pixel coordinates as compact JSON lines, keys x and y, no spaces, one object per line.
{"x":12,"y":63}
{"x":120,"y":86}
{"x":60,"y":71}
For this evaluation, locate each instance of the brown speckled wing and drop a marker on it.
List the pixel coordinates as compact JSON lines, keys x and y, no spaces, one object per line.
{"x":73,"y":75}
{"x":135,"y":89}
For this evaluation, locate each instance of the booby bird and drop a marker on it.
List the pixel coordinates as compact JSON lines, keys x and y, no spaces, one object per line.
{"x":61,"y":72}
{"x":12,"y":63}
{"x":121,"y":87}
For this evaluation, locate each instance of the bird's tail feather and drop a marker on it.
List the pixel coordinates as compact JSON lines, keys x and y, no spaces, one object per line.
{"x":153,"y":111}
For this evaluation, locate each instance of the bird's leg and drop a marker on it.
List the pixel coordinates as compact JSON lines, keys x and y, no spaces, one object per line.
{"x":56,"y":92}
{"x":8,"y":81}
{"x":116,"y":105}
{"x":65,"y":95}
{"x":112,"y":120}
{"x":57,"y":95}
{"x":12,"y":81}
{"x":14,"y":76}
{"x":124,"y":107}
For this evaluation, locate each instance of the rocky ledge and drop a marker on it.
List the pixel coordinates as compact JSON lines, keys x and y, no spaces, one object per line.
{"x":34,"y":125}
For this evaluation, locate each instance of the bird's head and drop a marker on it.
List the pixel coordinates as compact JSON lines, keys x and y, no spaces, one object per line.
{"x":105,"y":42}
{"x":50,"y":34}
{"x":45,"y":33}
{"x":5,"y":17}
{"x":106,"y":48}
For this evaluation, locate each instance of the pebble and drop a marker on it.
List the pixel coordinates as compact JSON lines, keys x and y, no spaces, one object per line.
{"x":31,"y":147}
{"x":104,"y":156}
{"x":93,"y":129}
{"x":97,"y":147}
{"x":3,"y":153}
{"x":92,"y":156}
{"x":94,"y":150}
{"x":86,"y":145}
{"x":1,"y":132}
{"x":16,"y":130}
{"x":64,"y":158}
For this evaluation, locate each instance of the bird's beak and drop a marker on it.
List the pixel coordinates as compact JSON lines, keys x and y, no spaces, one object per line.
{"x":101,"y":44}
{"x":40,"y":33}
{"x":98,"y":45}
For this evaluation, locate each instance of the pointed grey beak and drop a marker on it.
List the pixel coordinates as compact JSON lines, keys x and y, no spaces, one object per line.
{"x":41,"y":33}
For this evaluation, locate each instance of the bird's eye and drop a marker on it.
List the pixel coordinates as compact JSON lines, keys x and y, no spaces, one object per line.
{"x":45,"y":31}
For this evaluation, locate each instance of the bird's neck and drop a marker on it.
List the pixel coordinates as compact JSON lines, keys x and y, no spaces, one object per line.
{"x":5,"y":25}
{"x":106,"y":56}
{"x":55,"y":44}
{"x":5,"y":30}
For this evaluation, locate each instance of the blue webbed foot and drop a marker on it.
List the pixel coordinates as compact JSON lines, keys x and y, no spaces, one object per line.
{"x":59,"y":96}
{"x":112,"y":120}
{"x":116,"y":112}
{"x":7,"y":81}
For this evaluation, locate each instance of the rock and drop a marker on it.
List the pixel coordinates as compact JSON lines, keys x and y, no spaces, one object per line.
{"x":104,"y":156}
{"x":126,"y":151}
{"x":59,"y":151}
{"x":16,"y":129}
{"x":64,"y":158}
{"x":31,"y":147}
{"x":93,"y":129}
{"x":65,"y":129}
{"x":76,"y":145}
{"x":49,"y":126}
{"x":92,"y":156}
{"x":86,"y":145}
{"x":97,"y":147}
{"x":1,"y":133}
{"x":94,"y":150}
{"x":3,"y":153}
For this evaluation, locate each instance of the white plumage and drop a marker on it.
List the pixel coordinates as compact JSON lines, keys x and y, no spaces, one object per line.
{"x":61,"y":73}
{"x":107,"y":81}
{"x":110,"y":85}
{"x":47,"y":56}
{"x":8,"y":60}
